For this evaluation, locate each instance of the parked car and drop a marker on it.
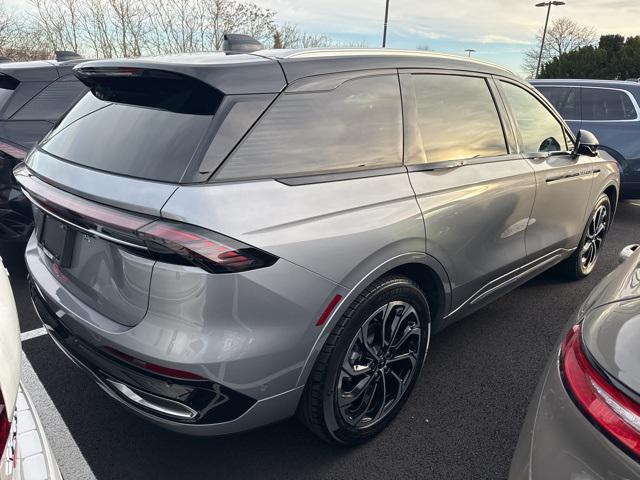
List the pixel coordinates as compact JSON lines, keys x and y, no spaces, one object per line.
{"x":24,"y":451}
{"x":33,"y":96}
{"x":225,"y":240}
{"x":584,"y":419}
{"x":610,"y":110}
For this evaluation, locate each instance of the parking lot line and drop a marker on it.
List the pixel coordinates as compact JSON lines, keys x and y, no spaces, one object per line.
{"x":38,"y":332}
{"x":70,"y":460}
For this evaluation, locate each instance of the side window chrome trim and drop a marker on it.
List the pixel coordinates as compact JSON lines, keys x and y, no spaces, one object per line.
{"x":634,"y":102}
{"x":341,"y":176}
{"x":452,"y":164}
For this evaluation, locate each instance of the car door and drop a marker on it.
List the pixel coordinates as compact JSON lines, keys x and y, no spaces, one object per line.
{"x":474,"y":191}
{"x":563,"y":179}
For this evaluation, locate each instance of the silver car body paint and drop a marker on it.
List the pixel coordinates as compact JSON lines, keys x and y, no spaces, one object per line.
{"x":477,"y":231}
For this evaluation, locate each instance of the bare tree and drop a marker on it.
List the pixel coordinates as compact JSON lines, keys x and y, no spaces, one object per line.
{"x":564,"y":35}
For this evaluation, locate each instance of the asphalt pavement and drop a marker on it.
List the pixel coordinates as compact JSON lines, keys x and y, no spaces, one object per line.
{"x":461,"y":422}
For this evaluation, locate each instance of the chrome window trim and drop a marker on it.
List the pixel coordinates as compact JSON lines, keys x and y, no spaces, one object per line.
{"x":634,"y":102}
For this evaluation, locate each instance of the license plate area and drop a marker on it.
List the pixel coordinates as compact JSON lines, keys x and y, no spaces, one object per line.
{"x":57,"y":240}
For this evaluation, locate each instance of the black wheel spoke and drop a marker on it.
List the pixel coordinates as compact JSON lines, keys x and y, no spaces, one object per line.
{"x":379,"y":364}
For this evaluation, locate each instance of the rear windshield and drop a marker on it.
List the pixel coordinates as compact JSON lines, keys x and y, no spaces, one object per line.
{"x":126,"y":133}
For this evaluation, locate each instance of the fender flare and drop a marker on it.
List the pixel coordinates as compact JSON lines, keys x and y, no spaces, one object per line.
{"x":380,"y":270}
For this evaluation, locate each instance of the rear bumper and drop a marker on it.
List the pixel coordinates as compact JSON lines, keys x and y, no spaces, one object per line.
{"x":558,"y":441}
{"x":251,"y":365}
{"x":219,"y":410}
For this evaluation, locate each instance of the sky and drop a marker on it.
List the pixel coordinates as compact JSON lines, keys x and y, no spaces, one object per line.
{"x":499,"y":30}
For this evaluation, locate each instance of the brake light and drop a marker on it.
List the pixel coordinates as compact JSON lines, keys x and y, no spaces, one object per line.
{"x":617,"y":415}
{"x":164,"y":240}
{"x":152,"y":367}
{"x":208,"y":250}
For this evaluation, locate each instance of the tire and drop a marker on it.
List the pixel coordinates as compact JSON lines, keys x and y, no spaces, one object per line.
{"x":576,"y":267}
{"x":336,"y":376}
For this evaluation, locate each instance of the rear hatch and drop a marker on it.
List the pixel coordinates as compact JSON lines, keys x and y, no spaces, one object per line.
{"x":105,"y":171}
{"x":611,"y":332}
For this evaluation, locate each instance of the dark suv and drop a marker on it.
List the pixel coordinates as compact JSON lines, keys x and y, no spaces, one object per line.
{"x":33,"y":95}
{"x":610,"y":110}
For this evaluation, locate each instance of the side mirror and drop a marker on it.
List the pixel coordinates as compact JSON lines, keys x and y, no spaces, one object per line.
{"x":586,"y":144}
{"x":627,"y":252}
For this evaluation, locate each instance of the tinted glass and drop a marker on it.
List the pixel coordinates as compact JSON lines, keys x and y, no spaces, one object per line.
{"x":457,"y":118}
{"x":608,"y":105}
{"x":5,"y":94}
{"x":128,"y":140}
{"x":564,"y":99}
{"x":356,"y":125}
{"x":52,"y":102}
{"x":540,"y":130}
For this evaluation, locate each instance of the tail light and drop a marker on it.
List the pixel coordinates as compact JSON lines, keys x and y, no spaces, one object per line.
{"x":164,"y":240}
{"x":208,"y":250}
{"x":613,"y":412}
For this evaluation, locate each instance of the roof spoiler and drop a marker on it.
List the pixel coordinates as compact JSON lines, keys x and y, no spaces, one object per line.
{"x":239,"y":43}
{"x":64,"y":55}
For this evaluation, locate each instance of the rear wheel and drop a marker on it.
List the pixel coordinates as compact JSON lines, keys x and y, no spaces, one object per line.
{"x":369,"y":364}
{"x":585,"y":258}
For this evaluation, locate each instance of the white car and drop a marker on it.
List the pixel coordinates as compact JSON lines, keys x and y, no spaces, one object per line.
{"x":24,"y":451}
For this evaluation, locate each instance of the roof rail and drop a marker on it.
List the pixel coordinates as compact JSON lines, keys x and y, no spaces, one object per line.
{"x":239,"y":43}
{"x":64,"y":55}
{"x":6,"y":59}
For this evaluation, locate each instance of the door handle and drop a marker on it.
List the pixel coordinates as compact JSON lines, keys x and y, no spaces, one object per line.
{"x":564,"y":176}
{"x":443,"y":166}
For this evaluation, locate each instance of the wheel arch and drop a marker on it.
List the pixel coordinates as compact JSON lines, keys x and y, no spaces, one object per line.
{"x":423,"y":269}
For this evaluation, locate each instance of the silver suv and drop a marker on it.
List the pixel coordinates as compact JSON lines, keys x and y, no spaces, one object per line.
{"x":224,"y":241}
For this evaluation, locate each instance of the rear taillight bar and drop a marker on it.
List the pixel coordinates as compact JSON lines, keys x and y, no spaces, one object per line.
{"x":163,"y":240}
{"x":609,"y":409}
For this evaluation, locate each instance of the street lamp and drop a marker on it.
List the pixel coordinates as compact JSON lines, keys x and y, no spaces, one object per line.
{"x":470,"y":51}
{"x":546,"y":23}
{"x":386,"y":21}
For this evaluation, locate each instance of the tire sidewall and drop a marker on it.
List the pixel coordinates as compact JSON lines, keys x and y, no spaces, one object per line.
{"x":394,"y":290}
{"x":602,"y":200}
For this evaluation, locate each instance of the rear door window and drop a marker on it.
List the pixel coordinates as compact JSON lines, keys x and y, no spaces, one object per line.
{"x":602,"y":104}
{"x":539,"y":129}
{"x":356,"y":125}
{"x":566,"y":100}
{"x":457,"y":118}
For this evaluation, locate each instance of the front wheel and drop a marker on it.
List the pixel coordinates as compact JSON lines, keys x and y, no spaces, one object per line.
{"x":585,"y":258}
{"x":369,"y":364}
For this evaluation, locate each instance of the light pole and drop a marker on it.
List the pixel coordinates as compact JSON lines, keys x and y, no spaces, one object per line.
{"x":386,"y":21}
{"x":470,"y":51}
{"x":546,"y":24}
